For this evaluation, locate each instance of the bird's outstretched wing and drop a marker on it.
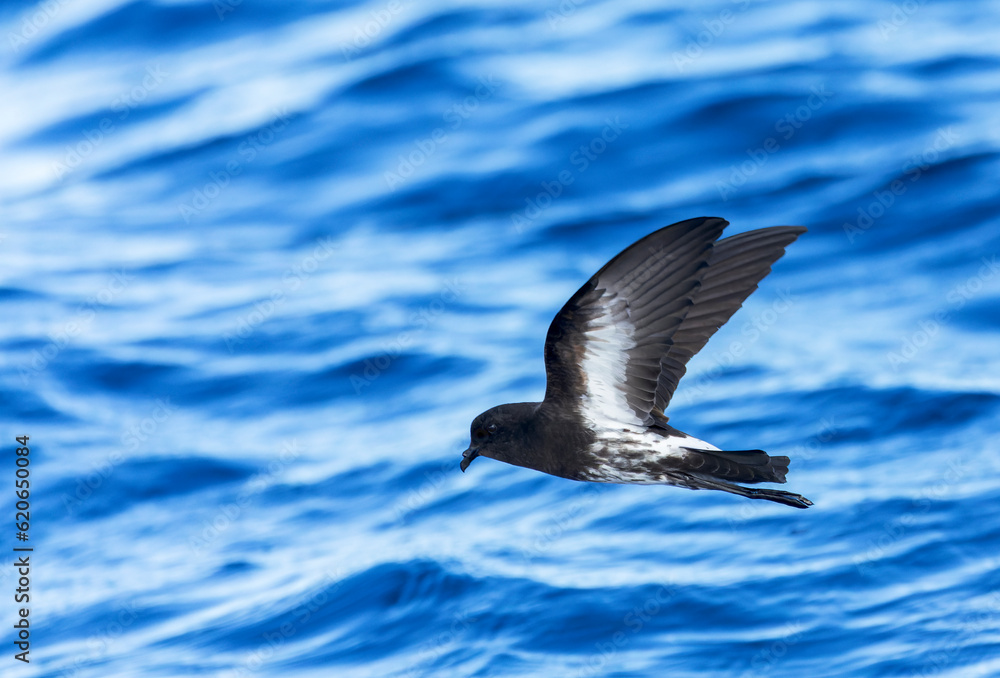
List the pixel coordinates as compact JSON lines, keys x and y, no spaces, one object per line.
{"x":735,"y":267}
{"x":603,"y":349}
{"x":619,"y":346}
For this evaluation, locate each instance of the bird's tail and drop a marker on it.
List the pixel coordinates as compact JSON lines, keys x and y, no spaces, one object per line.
{"x":712,"y":469}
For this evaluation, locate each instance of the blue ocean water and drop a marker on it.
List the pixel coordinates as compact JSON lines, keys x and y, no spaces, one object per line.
{"x":264,"y":262}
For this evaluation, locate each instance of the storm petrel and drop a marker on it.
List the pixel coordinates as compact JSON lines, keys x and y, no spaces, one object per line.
{"x":614,"y":355}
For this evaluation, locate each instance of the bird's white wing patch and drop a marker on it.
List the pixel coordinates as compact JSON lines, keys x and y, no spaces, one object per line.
{"x":607,"y":340}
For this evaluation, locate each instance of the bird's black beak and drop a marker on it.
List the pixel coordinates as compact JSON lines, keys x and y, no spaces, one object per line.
{"x":467,"y":458}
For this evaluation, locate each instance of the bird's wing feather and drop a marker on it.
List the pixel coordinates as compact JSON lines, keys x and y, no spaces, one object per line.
{"x":735,"y":267}
{"x":604,"y":348}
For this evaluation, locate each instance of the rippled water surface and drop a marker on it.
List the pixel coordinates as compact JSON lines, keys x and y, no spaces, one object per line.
{"x":263,"y":262}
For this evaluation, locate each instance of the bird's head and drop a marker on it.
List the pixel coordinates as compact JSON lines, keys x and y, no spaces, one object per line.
{"x":493,"y":433}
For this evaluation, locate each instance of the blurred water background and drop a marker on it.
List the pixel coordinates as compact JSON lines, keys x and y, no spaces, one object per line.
{"x":263,"y":262}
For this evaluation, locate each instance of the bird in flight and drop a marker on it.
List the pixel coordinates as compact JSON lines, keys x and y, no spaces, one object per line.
{"x":614,"y":355}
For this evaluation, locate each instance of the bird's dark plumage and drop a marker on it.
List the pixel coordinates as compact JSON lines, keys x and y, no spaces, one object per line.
{"x":614,"y":355}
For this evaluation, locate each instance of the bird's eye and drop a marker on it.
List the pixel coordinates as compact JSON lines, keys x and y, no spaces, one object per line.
{"x":492,"y":428}
{"x":480,"y":434}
